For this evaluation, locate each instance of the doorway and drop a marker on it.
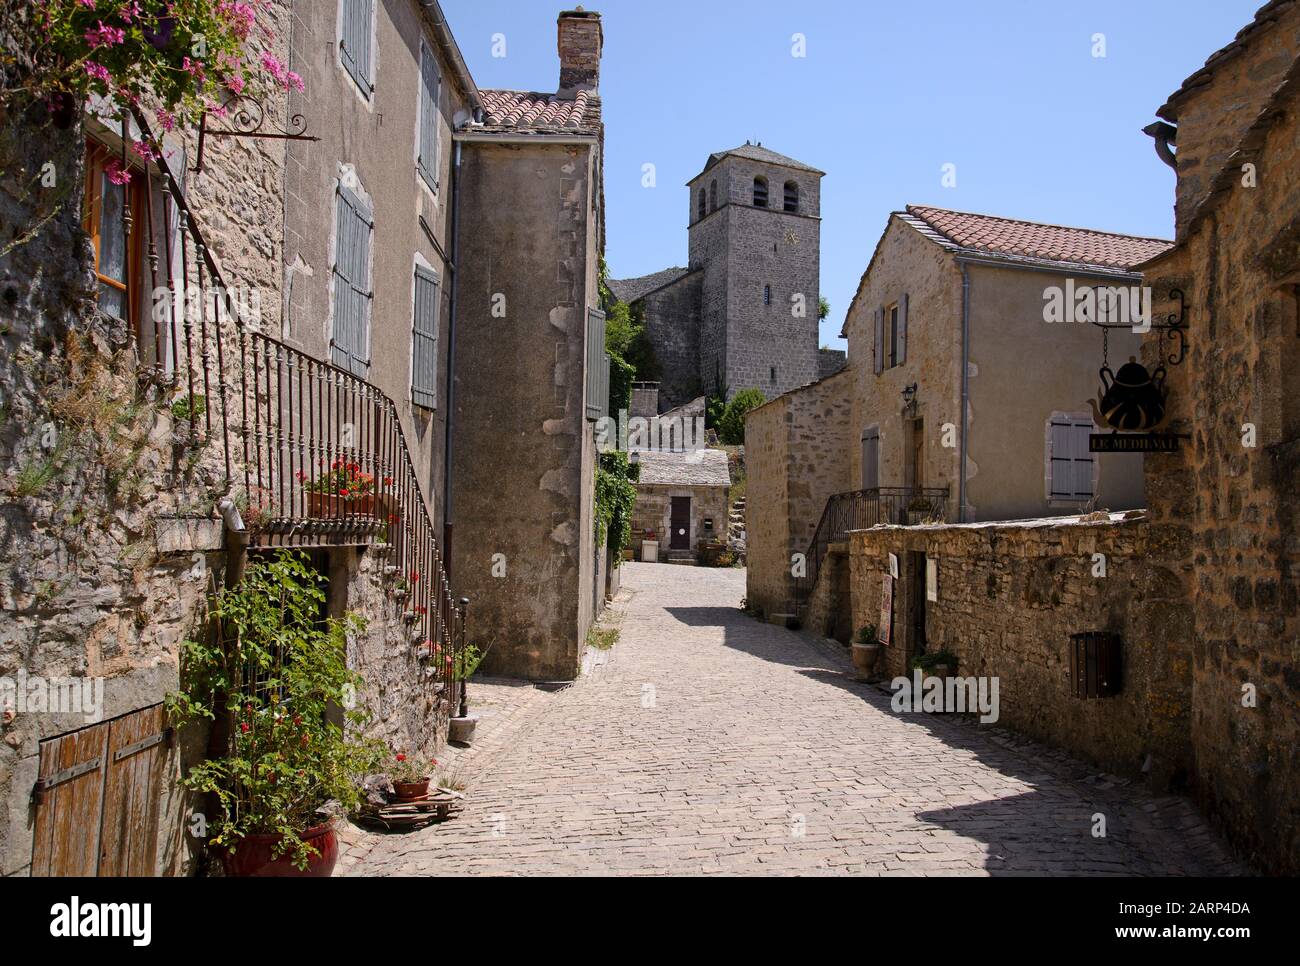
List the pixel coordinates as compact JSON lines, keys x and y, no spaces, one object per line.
{"x":916,"y":455}
{"x":916,"y":601}
{"x":679,"y":534}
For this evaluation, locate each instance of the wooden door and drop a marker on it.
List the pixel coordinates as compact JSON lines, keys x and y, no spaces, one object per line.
{"x":98,"y":798}
{"x":680,"y":519}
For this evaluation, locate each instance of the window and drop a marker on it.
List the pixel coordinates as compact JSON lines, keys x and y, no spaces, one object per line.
{"x":350,"y":344}
{"x":430,"y":89}
{"x":118,"y":255}
{"x":891,"y":335}
{"x":701,"y":206}
{"x":355,"y":42}
{"x":767,"y":295}
{"x":791,"y":196}
{"x":760,"y":192}
{"x":424,"y":339}
{"x":713,"y":196}
{"x":1071,"y":469}
{"x":772,"y":374}
{"x":871,"y":458}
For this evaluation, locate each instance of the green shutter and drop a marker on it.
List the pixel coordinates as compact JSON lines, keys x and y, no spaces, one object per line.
{"x":597,"y":365}
{"x":424,"y":342}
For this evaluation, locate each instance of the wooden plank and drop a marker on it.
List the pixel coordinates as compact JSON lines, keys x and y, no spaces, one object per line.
{"x":67,"y":822}
{"x":129,"y":842}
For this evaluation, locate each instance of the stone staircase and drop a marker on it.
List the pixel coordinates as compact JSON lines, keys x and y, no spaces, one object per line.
{"x":736,"y":526}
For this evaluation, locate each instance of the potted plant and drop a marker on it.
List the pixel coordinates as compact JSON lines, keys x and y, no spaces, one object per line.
{"x":410,"y":776}
{"x":342,"y":491}
{"x":866,"y":652}
{"x":939,"y":663}
{"x":269,"y":681}
{"x":461,"y":727}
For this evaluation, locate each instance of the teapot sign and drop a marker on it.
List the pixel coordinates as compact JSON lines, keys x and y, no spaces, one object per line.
{"x":1131,"y":399}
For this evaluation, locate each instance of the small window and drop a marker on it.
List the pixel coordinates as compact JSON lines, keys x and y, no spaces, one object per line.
{"x":791,"y":196}
{"x":772,"y":374}
{"x":1071,"y":468}
{"x":891,"y":321}
{"x":713,"y":196}
{"x":118,"y":255}
{"x":767,"y":295}
{"x":760,"y":192}
{"x":701,"y":206}
{"x":355,"y":42}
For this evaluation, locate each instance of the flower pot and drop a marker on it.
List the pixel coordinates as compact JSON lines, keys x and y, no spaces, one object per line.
{"x":411,"y":791}
{"x":252,"y":856}
{"x":462,"y":729}
{"x":941,"y":670}
{"x":331,"y":506}
{"x":865,"y":657}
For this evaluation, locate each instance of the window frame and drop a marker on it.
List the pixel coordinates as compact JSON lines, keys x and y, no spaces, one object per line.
{"x":766,"y":202}
{"x":97,"y":155}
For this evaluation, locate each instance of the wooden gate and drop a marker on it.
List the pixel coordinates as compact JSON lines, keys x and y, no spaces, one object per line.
{"x":97,"y":798}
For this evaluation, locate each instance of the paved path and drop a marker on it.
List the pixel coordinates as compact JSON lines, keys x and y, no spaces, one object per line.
{"x":710,"y":743}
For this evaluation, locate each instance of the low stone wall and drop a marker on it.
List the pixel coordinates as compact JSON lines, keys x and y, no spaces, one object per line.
{"x":1009,"y":597}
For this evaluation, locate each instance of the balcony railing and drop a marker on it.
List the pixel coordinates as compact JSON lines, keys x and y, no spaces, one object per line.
{"x":860,"y":509}
{"x":321,"y":453}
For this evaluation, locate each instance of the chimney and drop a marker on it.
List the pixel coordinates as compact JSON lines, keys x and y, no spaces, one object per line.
{"x":579,"y":43}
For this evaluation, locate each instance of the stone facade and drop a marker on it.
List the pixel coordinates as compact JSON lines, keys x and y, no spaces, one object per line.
{"x":745,"y":314}
{"x":653,"y":510}
{"x":794,"y":462}
{"x":1229,"y":506}
{"x":1009,"y":597}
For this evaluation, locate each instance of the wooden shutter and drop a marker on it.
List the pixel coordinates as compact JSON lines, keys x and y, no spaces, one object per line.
{"x":355,"y":43}
{"x":350,"y":345}
{"x":424,"y":343}
{"x":430,"y":82}
{"x":1072,"y":464}
{"x":870,"y":459}
{"x":597,"y":398}
{"x":902,"y":330}
{"x":880,"y":340}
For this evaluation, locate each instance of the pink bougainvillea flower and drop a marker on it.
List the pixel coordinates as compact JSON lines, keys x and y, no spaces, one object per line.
{"x":128,"y":11}
{"x":144,"y":150}
{"x":102,"y":36}
{"x":98,"y":71}
{"x":239,"y":16}
{"x":165,"y":118}
{"x":115,"y":173}
{"x":236,"y":83}
{"x":193,"y":67}
{"x":292,"y":80}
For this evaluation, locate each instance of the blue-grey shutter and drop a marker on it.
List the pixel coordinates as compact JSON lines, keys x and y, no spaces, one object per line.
{"x":355,"y":42}
{"x":1071,"y":462}
{"x":1083,"y":460}
{"x":424,"y":344}
{"x":430,"y":81}
{"x":597,"y":398}
{"x":350,"y":345}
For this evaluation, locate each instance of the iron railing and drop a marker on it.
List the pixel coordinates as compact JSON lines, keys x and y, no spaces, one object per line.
{"x":321,"y":452}
{"x":859,"y":509}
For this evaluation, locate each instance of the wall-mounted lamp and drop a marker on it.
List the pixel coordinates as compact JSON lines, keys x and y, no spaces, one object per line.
{"x":909,"y":394}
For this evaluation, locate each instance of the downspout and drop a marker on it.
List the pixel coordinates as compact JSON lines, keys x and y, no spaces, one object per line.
{"x":965,"y":390}
{"x":447,"y":520}
{"x":236,"y":541}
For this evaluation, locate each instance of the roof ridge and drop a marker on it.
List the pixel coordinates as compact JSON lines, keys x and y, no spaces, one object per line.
{"x":1026,"y":221}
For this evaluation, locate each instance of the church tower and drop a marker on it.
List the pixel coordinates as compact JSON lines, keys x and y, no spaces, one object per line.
{"x":755,"y":232}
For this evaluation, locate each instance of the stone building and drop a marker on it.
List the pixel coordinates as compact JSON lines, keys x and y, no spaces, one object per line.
{"x":681,"y":501}
{"x":963,"y":402}
{"x":1226,"y":502}
{"x":144,"y":458}
{"x":744,"y":313}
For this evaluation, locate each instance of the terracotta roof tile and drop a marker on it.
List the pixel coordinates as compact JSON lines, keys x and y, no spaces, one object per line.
{"x":1032,"y":241}
{"x":542,"y":113}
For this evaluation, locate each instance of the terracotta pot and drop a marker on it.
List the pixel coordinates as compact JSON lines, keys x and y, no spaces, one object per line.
{"x":865,"y":657}
{"x":411,"y":791}
{"x":252,"y":856}
{"x":331,"y":506}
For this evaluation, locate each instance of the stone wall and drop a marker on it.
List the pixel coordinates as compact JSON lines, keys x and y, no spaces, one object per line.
{"x":653,"y":509}
{"x":672,"y":325}
{"x":794,"y":452}
{"x":1233,"y":508}
{"x":1009,"y":597}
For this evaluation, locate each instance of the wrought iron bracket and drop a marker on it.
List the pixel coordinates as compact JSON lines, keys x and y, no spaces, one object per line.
{"x":1175,"y":325}
{"x":247,"y":120}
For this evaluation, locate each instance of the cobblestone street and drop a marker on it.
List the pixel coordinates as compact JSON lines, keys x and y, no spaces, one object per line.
{"x":706,"y":742}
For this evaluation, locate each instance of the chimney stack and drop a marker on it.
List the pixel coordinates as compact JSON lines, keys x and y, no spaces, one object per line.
{"x":580,"y":39}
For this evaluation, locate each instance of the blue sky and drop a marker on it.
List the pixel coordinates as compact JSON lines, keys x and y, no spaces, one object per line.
{"x":1007,"y":90}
